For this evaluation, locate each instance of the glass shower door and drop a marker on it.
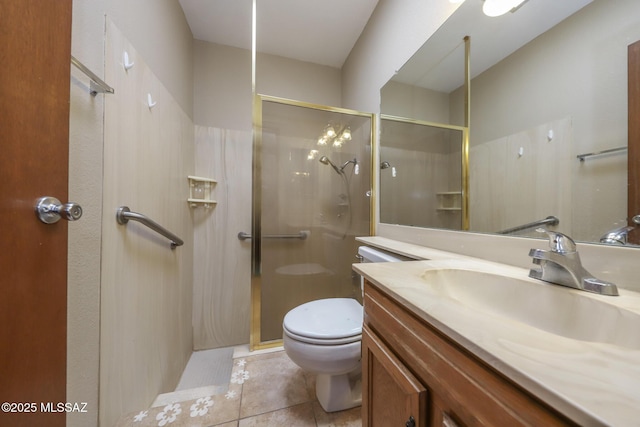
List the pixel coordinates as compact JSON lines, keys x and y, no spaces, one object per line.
{"x":311,"y":199}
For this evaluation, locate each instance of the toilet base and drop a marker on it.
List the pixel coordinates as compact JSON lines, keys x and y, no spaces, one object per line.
{"x":339,"y":392}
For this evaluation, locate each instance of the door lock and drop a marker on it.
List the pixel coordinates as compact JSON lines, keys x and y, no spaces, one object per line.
{"x":50,"y":210}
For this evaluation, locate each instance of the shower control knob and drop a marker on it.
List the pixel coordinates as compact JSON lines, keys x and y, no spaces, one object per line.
{"x":49,"y":210}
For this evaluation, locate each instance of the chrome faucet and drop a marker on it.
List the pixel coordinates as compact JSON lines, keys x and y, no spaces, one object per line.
{"x":619,"y":236}
{"x":562,"y":266}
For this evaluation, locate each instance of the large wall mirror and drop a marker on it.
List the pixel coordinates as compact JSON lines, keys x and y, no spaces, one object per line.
{"x":548,"y":117}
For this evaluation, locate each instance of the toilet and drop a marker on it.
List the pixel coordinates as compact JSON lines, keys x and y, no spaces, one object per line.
{"x":324,"y":337}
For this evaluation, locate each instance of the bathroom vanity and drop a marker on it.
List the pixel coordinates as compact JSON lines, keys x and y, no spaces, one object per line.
{"x":464,"y":342}
{"x":429,"y":378}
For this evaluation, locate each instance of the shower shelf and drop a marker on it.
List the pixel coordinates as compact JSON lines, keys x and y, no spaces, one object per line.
{"x":449,"y":201}
{"x":200,"y":192}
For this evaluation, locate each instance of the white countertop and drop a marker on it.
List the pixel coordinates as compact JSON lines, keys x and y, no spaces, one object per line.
{"x":592,"y":383}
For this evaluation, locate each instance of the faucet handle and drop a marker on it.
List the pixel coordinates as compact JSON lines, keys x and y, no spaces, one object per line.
{"x":559,"y":243}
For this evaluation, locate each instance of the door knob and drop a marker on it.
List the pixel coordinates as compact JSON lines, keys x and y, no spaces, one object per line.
{"x":50,"y":210}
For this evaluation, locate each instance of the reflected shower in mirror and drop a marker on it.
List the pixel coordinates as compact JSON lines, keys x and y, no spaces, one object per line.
{"x":430,"y":193}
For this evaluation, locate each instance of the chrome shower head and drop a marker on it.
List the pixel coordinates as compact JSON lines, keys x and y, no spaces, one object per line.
{"x":385,"y":165}
{"x":325,"y":161}
{"x":344,"y":165}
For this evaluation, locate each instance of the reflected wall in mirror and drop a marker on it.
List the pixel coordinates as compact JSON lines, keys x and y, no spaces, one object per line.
{"x":534,"y":109}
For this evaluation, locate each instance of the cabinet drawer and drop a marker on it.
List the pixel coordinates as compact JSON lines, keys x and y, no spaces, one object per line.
{"x":463,"y":389}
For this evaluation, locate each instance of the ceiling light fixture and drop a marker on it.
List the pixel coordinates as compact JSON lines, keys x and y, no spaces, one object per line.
{"x":500,"y":7}
{"x":346,"y":134}
{"x":329,"y":131}
{"x":337,"y":139}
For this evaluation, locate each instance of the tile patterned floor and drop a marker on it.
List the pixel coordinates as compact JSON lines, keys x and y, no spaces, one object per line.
{"x":265,"y":390}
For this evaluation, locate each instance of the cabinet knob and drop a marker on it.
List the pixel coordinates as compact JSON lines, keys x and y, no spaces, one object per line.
{"x":411,"y":422}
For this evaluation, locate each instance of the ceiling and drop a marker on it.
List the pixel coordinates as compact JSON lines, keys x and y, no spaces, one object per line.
{"x":321,"y":32}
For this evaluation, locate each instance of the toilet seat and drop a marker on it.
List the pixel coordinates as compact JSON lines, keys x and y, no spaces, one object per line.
{"x":319,"y":341}
{"x":331,"y":321}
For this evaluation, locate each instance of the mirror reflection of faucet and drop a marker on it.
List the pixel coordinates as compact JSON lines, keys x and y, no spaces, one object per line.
{"x":620,"y":235}
{"x":561,"y":265}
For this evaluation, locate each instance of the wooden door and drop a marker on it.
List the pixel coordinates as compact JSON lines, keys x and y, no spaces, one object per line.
{"x":34,"y":132}
{"x":391,"y":395}
{"x":633,"y":199}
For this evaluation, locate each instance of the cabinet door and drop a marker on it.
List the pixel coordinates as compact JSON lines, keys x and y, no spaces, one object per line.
{"x":391,"y":395}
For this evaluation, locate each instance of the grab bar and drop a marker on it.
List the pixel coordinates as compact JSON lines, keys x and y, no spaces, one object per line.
{"x":124,"y":214}
{"x":598,"y":153}
{"x":97,"y":85}
{"x":550,"y":220}
{"x":302,"y":235}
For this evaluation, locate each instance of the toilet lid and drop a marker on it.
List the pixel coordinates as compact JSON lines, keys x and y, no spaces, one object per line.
{"x":330,"y":318}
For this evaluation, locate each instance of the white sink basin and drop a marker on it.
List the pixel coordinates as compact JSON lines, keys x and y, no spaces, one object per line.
{"x":555,"y":309}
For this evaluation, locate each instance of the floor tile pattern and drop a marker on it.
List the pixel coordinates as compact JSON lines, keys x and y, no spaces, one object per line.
{"x":265,"y":390}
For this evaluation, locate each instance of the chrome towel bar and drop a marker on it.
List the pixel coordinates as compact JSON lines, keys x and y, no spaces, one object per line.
{"x":302,"y":235}
{"x":598,"y":153}
{"x":550,"y":220}
{"x":124,"y":214}
{"x":97,"y":85}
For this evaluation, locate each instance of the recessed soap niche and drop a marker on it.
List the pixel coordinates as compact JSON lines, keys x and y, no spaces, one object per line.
{"x":449,"y":201}
{"x":200,"y":192}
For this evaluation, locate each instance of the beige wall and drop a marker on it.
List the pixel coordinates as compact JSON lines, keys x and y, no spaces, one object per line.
{"x":146,"y":297}
{"x":160,"y":32}
{"x":298,"y":80}
{"x":222,"y":263}
{"x":584,"y":77}
{"x":531,"y":182}
{"x":85,"y":187}
{"x":403,"y":100}
{"x":149,"y":23}
{"x":222,"y":84}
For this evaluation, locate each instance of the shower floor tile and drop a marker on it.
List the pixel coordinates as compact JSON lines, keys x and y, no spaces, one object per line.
{"x":265,"y":390}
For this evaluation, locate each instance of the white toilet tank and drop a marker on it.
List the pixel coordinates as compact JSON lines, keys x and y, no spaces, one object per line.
{"x":369,"y":254}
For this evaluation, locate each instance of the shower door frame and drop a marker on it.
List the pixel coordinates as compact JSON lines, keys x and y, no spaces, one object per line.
{"x":255,"y":341}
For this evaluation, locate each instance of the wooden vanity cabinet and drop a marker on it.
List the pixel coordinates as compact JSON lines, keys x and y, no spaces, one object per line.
{"x":394,"y":396}
{"x":413,"y":375}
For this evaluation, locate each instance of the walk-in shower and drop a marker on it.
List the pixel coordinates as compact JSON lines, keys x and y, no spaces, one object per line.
{"x":295,"y":194}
